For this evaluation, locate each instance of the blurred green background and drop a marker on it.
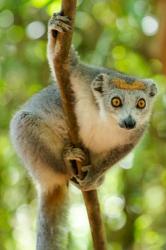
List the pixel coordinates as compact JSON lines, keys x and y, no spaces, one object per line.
{"x":129,"y":36}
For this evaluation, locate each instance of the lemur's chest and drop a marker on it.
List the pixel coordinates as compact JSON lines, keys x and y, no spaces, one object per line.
{"x":98,"y":134}
{"x":99,"y":137}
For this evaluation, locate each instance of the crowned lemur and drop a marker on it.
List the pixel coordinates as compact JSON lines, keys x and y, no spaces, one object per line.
{"x":112,"y":111}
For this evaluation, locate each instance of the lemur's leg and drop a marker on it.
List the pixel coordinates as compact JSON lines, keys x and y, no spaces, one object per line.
{"x":40,"y":149}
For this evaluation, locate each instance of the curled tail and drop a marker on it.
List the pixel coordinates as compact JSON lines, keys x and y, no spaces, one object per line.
{"x":52,"y":232}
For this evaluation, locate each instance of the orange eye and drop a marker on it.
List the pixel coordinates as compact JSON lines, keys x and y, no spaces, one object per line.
{"x":116,"y":102}
{"x":141,"y":103}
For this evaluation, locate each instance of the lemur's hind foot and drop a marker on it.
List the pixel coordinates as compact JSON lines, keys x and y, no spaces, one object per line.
{"x":59,"y":23}
{"x":71,"y":154}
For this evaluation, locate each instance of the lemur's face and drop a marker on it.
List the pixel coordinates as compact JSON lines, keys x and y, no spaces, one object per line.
{"x":129,"y":104}
{"x":129,"y":108}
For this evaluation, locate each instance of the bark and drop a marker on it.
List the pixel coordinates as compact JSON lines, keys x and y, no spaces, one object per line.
{"x":67,"y":97}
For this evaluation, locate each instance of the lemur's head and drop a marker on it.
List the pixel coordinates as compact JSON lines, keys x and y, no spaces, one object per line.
{"x":127,"y":100}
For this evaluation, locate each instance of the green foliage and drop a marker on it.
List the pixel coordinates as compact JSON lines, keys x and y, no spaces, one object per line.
{"x":108,"y":33}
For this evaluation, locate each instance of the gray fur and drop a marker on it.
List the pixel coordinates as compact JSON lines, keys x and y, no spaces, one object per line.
{"x":52,"y":229}
{"x":39,"y":132}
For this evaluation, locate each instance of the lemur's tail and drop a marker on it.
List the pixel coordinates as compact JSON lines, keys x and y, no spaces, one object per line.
{"x":52,"y":233}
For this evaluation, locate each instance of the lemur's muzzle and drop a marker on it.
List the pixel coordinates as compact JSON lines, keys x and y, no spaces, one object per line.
{"x":128,"y":123}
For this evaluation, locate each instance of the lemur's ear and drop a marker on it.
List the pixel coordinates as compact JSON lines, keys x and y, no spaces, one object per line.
{"x":100,"y":82}
{"x":151,"y":88}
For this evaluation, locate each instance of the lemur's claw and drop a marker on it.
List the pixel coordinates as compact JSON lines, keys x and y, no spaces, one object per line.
{"x":59,"y":23}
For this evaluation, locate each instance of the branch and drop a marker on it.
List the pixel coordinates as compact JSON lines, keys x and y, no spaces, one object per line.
{"x":67,"y":97}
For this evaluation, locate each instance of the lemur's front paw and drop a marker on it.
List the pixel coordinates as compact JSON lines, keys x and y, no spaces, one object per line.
{"x":59,"y":23}
{"x":91,"y":180}
{"x":73,"y":154}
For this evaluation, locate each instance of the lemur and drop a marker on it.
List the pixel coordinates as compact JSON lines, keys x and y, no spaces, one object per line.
{"x":112,"y":111}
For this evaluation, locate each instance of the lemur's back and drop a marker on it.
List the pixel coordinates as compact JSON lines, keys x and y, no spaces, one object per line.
{"x":45,"y":101}
{"x":46,"y":106}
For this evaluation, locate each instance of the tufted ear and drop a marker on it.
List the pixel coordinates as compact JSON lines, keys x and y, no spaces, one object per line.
{"x":151,"y":87}
{"x":100,"y":82}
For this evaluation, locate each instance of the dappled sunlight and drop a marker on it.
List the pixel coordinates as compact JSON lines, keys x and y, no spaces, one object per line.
{"x":150,"y":25}
{"x":35,"y":30}
{"x":6,"y":18}
{"x":23,"y":230}
{"x":79,"y":226}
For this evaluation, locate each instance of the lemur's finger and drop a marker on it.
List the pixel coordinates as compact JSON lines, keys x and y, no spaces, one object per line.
{"x":57,"y":28}
{"x":78,"y":159}
{"x":58,"y":17}
{"x":74,"y":158}
{"x":64,"y":26}
{"x":75,"y":154}
{"x":65,"y":19}
{"x":60,"y":26}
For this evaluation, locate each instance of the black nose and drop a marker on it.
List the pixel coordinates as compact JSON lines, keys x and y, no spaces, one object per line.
{"x":128,"y":123}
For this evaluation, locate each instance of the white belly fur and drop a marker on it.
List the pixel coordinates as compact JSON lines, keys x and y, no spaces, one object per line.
{"x":98,"y":133}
